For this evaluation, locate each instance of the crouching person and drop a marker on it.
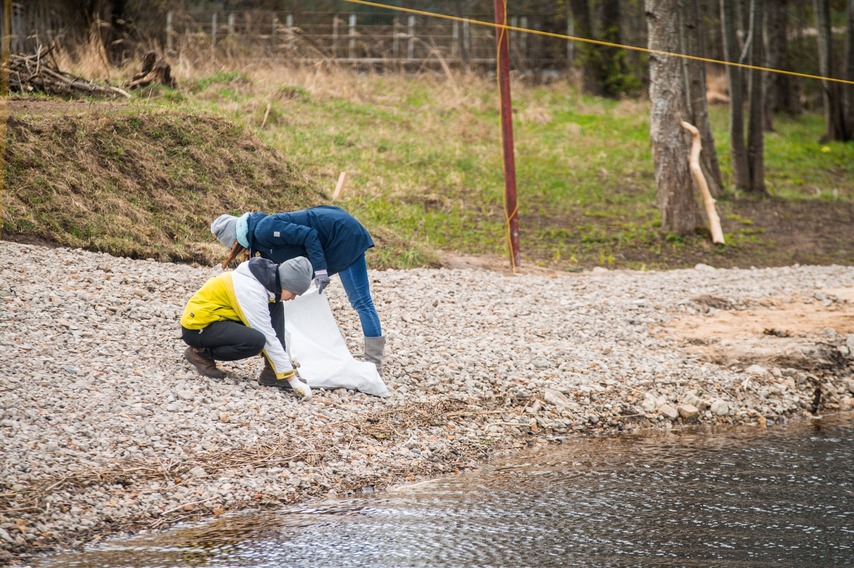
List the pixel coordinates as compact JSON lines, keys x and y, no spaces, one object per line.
{"x":237,"y":314}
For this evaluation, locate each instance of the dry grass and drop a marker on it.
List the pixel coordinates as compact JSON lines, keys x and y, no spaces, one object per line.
{"x":139,"y":185}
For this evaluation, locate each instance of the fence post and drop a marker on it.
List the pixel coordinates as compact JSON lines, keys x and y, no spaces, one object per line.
{"x":231,"y":24}
{"x":523,"y":37}
{"x":273,"y":32}
{"x":289,"y":24}
{"x":467,"y":42}
{"x":513,"y":24}
{"x":335,"y":20}
{"x":169,"y":32}
{"x":570,"y":31}
{"x":395,"y":41}
{"x":6,"y":42}
{"x":351,"y":32}
{"x":213,"y":30}
{"x":410,"y":47}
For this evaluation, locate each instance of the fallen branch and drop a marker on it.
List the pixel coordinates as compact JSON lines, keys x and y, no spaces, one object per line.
{"x":153,"y":71}
{"x":697,"y":172}
{"x":30,"y":73}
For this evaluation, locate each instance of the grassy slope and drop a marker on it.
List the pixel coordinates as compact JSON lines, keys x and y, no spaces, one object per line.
{"x":144,"y":180}
{"x":424,"y":161}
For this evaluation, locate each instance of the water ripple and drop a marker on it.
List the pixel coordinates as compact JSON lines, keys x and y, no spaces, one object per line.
{"x":780,"y":497}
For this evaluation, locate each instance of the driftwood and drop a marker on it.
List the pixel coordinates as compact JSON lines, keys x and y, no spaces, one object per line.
{"x":153,"y":71}
{"x":697,"y":172}
{"x":339,"y":187}
{"x":32,"y":73}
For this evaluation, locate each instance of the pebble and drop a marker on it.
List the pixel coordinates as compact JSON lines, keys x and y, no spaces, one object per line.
{"x":106,"y":427}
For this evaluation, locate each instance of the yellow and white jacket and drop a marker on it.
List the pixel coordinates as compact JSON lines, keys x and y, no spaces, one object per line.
{"x":242,"y":295}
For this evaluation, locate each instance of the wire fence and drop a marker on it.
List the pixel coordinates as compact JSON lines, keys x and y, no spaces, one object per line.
{"x":361,"y":39}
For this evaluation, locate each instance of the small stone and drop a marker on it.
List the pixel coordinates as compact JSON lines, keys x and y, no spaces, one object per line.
{"x":668,"y":412}
{"x":719,"y":407}
{"x":757,"y":370}
{"x":6,"y":536}
{"x":688,"y":412}
{"x":557,"y":399}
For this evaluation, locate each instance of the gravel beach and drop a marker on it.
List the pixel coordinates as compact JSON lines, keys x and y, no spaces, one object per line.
{"x":104,"y":427}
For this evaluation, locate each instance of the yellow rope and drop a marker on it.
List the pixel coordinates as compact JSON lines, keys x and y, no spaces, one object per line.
{"x":505,"y":27}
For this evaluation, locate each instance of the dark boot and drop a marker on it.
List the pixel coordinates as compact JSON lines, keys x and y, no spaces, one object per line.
{"x":203,"y":362}
{"x":267,"y":377}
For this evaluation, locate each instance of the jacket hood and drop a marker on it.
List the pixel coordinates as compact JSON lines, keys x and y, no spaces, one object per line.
{"x":264,"y":271}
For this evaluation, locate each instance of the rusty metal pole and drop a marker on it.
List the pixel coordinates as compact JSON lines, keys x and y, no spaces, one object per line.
{"x":510,"y":208}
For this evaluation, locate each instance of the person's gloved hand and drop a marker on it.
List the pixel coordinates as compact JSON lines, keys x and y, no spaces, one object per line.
{"x":301,"y":388}
{"x":321,"y":280}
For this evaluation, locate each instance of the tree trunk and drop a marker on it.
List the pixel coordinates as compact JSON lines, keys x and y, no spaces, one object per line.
{"x":782,"y":92}
{"x":461,"y":40}
{"x":775,"y":43}
{"x":756,"y":124}
{"x":586,"y":51}
{"x":832,"y":93}
{"x":675,"y":193}
{"x":740,"y":171}
{"x":848,"y":99}
{"x":698,"y":106}
{"x":612,"y":71}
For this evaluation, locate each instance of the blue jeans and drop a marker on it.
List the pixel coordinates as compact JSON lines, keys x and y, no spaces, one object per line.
{"x":358,"y":289}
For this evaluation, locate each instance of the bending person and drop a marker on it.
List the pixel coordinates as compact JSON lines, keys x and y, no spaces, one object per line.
{"x":332,"y":239}
{"x":231,"y":318}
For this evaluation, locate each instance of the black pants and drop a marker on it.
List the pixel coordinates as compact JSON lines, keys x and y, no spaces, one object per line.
{"x":231,"y":340}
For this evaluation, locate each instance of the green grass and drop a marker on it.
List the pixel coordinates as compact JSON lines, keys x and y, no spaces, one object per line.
{"x":425,"y":164}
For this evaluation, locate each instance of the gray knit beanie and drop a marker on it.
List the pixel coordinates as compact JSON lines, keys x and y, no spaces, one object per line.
{"x":295,"y":275}
{"x":224,"y":228}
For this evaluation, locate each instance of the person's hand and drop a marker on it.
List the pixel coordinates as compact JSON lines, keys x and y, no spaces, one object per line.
{"x":321,"y":280}
{"x":301,"y":388}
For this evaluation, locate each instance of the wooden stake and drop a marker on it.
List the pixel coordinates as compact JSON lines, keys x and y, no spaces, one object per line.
{"x":266,"y":114}
{"x":339,"y":188}
{"x":697,"y":172}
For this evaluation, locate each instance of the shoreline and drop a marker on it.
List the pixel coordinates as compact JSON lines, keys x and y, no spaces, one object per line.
{"x":110,"y":430}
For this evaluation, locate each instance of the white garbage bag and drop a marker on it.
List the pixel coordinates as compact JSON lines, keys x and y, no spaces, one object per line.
{"x":313,"y":338}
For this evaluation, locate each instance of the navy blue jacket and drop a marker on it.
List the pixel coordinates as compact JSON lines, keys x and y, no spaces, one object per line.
{"x":328,"y":236}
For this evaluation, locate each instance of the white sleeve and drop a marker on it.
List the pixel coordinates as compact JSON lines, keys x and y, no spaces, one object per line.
{"x":255,"y":304}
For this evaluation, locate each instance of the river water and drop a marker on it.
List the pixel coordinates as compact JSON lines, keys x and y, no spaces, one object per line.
{"x":781,"y":496}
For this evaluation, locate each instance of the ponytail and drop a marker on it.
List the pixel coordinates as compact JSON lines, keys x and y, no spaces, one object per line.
{"x":238,"y":252}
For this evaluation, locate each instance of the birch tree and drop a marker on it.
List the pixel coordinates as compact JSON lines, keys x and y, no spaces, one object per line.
{"x":675,"y":193}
